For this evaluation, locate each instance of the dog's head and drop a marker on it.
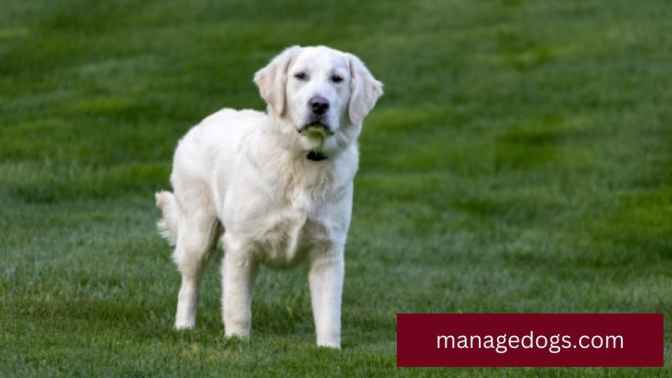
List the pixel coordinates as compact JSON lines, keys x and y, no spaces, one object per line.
{"x":321,"y":93}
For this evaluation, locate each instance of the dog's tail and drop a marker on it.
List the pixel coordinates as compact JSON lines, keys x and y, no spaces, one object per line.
{"x":167,"y":225}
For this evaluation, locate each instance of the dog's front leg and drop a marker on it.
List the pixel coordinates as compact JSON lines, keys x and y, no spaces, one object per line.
{"x":238,"y":271}
{"x":326,"y":288}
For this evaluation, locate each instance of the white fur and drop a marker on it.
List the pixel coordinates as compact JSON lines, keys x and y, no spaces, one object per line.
{"x":243,"y":176}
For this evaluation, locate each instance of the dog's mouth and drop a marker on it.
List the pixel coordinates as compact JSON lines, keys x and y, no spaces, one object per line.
{"x":318,"y":127}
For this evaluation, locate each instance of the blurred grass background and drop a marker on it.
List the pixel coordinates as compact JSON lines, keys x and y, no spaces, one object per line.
{"x":520,"y":160}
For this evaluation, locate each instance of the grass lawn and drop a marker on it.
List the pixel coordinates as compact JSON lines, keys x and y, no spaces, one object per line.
{"x":520,"y":160}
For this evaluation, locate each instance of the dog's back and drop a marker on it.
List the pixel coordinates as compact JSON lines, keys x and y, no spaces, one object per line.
{"x":215,"y":138}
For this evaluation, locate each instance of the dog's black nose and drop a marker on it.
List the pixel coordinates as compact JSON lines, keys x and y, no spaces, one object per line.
{"x":319,"y":105}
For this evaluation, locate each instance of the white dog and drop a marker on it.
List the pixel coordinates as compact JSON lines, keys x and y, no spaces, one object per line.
{"x":276,"y":186}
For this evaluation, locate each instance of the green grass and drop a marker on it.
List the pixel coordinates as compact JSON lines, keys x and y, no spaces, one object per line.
{"x":520,"y":160}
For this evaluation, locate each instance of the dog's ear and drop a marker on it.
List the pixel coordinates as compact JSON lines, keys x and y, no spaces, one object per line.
{"x":365,"y":90}
{"x":272,"y":79}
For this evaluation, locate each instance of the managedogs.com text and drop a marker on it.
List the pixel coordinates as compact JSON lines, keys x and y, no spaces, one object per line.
{"x":503,"y":343}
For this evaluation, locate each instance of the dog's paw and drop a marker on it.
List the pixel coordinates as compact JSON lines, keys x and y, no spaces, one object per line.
{"x":330,"y":345}
{"x":184,"y":325}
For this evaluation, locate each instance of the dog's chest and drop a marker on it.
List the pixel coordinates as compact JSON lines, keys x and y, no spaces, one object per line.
{"x":290,"y":233}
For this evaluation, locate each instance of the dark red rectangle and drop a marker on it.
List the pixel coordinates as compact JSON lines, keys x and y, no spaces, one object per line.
{"x":605,"y":340}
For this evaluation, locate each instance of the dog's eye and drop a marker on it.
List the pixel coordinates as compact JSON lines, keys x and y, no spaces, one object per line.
{"x":301,"y":76}
{"x":336,"y":78}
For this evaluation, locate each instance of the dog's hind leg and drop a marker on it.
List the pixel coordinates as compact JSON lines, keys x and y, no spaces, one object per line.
{"x":196,"y":235}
